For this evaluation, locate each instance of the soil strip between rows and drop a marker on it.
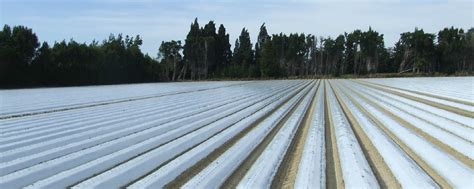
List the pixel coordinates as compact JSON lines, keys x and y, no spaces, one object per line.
{"x":334,"y":178}
{"x":203,"y":163}
{"x":75,"y":107}
{"x":382,"y":172}
{"x":240,"y":172}
{"x":458,"y":155}
{"x":415,"y":157}
{"x":288,"y":169}
{"x":427,"y":94}
{"x":424,"y":101}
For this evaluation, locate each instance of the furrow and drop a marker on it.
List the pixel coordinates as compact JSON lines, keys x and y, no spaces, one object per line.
{"x":237,"y":175}
{"x":123,"y":141}
{"x":114,"y":121}
{"x":216,"y":173}
{"x":460,"y":149}
{"x":427,"y":94}
{"x":457,"y":110}
{"x":424,"y":153}
{"x":178,"y":171}
{"x":312,"y":167}
{"x":457,"y":129}
{"x":356,"y":171}
{"x":75,"y":107}
{"x":131,"y":169}
{"x":288,"y":169}
{"x":384,"y":175}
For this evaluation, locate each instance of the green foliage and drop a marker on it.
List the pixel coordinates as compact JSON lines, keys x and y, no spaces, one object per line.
{"x":192,"y":49}
{"x":452,"y":50}
{"x":334,"y":50}
{"x":417,"y":51}
{"x":243,"y":52}
{"x":17,"y":50}
{"x":352,"y":53}
{"x":115,"y":60}
{"x":207,"y":54}
{"x":171,"y":58}
{"x":468,"y":54}
{"x":371,"y":44}
{"x":223,"y":52}
{"x":268,"y":61}
{"x":261,"y":39}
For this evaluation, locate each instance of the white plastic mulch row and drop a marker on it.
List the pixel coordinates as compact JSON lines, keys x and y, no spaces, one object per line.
{"x":451,"y":87}
{"x":312,"y":167}
{"x":76,"y":158}
{"x":220,"y":169}
{"x":356,"y":171}
{"x":451,"y":169}
{"x":406,"y":171}
{"x":25,"y":101}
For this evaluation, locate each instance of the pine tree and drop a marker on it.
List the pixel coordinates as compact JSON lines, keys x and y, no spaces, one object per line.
{"x":262,"y":37}
{"x":210,"y":49}
{"x":192,"y":50}
{"x":170,"y":54}
{"x":243,"y":56}
{"x":451,"y":44}
{"x":223,"y":52}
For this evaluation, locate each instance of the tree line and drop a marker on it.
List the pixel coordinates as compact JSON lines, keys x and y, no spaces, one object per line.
{"x":206,"y":54}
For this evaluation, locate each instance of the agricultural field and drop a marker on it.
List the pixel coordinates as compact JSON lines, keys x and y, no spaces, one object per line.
{"x":361,"y":133}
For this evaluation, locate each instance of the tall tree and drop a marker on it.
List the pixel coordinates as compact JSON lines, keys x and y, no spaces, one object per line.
{"x":280,"y":44}
{"x":17,"y":50}
{"x":223,"y":52}
{"x":469,"y":56}
{"x":321,"y":67}
{"x":269,"y":65}
{"x":192,"y":49}
{"x":371,"y":44}
{"x":42,"y":65}
{"x":170,"y":54}
{"x":309,"y":67}
{"x":243,"y":56}
{"x":262,"y":37}
{"x":338,"y":60}
{"x":352,"y":53}
{"x":418,"y":50}
{"x":207,"y":54}
{"x":451,"y":47}
{"x":296,"y":53}
{"x":117,"y":59}
{"x":334,"y":49}
{"x":209,"y":49}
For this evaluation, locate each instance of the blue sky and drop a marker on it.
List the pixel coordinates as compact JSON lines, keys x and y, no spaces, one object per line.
{"x":158,"y":20}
